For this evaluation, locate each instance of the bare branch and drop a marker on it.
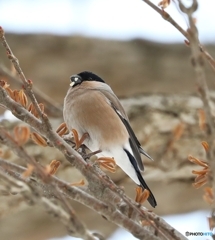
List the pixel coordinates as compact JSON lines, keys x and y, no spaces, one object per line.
{"x":97,"y":183}
{"x":120,"y":209}
{"x":27,"y":84}
{"x":198,"y":65}
{"x":52,"y":109}
{"x":169,"y":19}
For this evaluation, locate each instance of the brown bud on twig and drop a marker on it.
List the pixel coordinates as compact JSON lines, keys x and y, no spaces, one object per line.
{"x":107,"y":163}
{"x":28,"y":171}
{"x":141,"y":195}
{"x":53,"y":167}
{"x":16,"y":95}
{"x":197,"y":161}
{"x":23,"y":98}
{"x":4,"y":84}
{"x":38,"y":139}
{"x":208,"y":196}
{"x":164,"y":3}
{"x":21,"y":134}
{"x":77,"y":184}
{"x":10,"y":92}
{"x":62,"y":129}
{"x":178,"y":131}
{"x":33,"y":110}
{"x":205,"y":145}
{"x":211,"y":221}
{"x":202,"y":119}
{"x":187,"y":43}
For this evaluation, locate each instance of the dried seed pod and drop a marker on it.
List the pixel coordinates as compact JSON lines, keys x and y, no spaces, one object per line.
{"x":21,"y":134}
{"x":16,"y":95}
{"x":200,"y":183}
{"x":197,"y":161}
{"x":206,"y":146}
{"x":200,"y":172}
{"x":141,"y":195}
{"x":6,"y":85}
{"x":38,"y":139}
{"x":77,"y":184}
{"x":211,"y":221}
{"x":62,"y":129}
{"x":30,"y":107}
{"x":208,"y":196}
{"x":164,"y":3}
{"x":53,"y":167}
{"x":62,"y":125}
{"x":34,"y":111}
{"x":10,"y":92}
{"x":28,"y":171}
{"x":202,"y":119}
{"x":178,"y":131}
{"x":200,"y":178}
{"x":187,"y":43}
{"x":23,"y":98}
{"x":107,"y":163}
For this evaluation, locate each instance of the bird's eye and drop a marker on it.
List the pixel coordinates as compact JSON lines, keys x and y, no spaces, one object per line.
{"x":75,"y":79}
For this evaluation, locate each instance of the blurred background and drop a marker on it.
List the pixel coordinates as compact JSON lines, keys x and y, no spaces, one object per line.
{"x":138,"y":54}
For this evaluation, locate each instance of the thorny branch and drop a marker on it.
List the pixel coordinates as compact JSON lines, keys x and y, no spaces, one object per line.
{"x":124,"y":212}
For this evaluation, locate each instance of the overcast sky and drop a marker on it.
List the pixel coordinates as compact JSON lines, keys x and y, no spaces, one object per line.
{"x":113,"y":19}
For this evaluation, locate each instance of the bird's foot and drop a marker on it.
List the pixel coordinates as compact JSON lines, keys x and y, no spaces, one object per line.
{"x":78,"y":142}
{"x":141,"y":195}
{"x":108,"y":163}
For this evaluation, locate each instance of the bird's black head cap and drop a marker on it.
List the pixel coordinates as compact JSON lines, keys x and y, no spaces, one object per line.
{"x":84,"y":76}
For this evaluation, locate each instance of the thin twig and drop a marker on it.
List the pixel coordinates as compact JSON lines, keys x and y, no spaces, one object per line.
{"x":124,"y":208}
{"x":52,"y":109}
{"x":198,"y":65}
{"x":169,"y":19}
{"x":27,"y":84}
{"x":99,"y":183}
{"x":76,"y":194}
{"x":33,"y":196}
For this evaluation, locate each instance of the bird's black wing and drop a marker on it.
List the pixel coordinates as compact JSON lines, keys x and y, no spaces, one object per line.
{"x":134,"y":143}
{"x":151,"y":198}
{"x":117,"y":107}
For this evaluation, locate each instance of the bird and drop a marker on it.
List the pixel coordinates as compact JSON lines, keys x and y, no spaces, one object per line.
{"x":94,"y":111}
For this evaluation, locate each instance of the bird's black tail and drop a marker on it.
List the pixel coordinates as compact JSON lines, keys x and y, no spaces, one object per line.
{"x":151,"y":198}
